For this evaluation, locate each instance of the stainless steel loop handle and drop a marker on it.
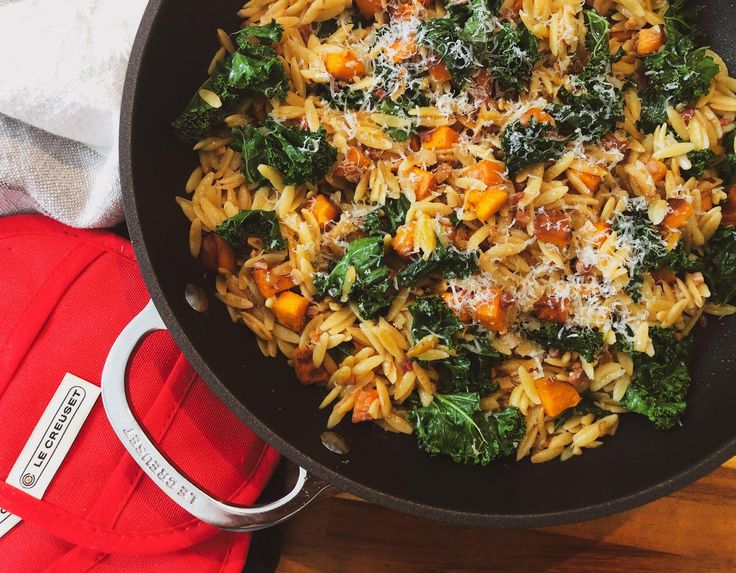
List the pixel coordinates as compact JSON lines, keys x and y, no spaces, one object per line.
{"x":163,"y":473}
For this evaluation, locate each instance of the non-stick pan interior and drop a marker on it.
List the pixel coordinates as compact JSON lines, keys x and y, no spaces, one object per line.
{"x":176,"y":42}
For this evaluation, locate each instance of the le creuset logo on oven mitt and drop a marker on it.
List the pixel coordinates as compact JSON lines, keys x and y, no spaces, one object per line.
{"x":66,"y":296}
{"x":50,"y":441}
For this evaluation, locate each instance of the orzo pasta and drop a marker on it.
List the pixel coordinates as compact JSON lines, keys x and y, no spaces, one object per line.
{"x":492,"y":224}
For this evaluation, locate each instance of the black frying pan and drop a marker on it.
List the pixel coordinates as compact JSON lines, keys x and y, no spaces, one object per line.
{"x":172,"y":51}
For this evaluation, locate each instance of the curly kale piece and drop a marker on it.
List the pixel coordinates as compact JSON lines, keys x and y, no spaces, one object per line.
{"x":585,"y":341}
{"x":512,"y":52}
{"x":387,"y":219}
{"x":680,"y":72}
{"x":447,"y":261}
{"x":534,"y":142}
{"x":454,"y":425}
{"x":264,"y":224}
{"x":372,"y":290}
{"x":401,"y":108}
{"x":299,"y":154}
{"x":430,"y":315}
{"x":585,"y":406}
{"x":726,"y":165}
{"x":660,"y":383}
{"x":700,"y":159}
{"x":649,"y":250}
{"x":445,"y":37}
{"x":468,"y":369}
{"x":253,"y":68}
{"x":720,"y":266}
{"x":594,"y":106}
{"x":343,"y":98}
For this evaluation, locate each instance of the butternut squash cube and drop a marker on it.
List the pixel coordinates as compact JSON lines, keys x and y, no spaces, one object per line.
{"x":291,"y":310}
{"x":556,"y":396}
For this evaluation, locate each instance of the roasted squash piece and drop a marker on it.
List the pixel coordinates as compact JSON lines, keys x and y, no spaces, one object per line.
{"x":291,"y":310}
{"x":306,"y":372}
{"x":556,"y":396}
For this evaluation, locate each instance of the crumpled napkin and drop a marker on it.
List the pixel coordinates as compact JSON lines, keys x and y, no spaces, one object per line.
{"x":62,"y":69}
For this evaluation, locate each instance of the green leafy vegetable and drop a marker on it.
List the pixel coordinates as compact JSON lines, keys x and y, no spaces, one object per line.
{"x":372,"y":290}
{"x":253,"y":68}
{"x":680,"y":72}
{"x":450,"y":262}
{"x":387,"y":219}
{"x":649,"y":250}
{"x":344,"y":99}
{"x":585,"y":406}
{"x":341,"y":351}
{"x":512,"y":53}
{"x":700,"y":159}
{"x":445,"y":37}
{"x":325,"y":29}
{"x":454,"y":425}
{"x":660,"y":382}
{"x":597,"y":42}
{"x":470,"y":369}
{"x":430,"y":315}
{"x":726,"y":165}
{"x":585,"y":341}
{"x":525,"y":145}
{"x":720,"y":271}
{"x":300,"y":155}
{"x":595,"y":106}
{"x":264,"y":224}
{"x":400,"y":108}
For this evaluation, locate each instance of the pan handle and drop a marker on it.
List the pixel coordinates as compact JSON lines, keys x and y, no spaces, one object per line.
{"x":163,"y":473}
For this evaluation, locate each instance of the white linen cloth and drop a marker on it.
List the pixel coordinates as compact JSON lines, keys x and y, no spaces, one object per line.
{"x":62,"y":68}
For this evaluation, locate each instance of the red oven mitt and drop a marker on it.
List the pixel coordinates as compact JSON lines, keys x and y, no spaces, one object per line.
{"x":65,"y":295}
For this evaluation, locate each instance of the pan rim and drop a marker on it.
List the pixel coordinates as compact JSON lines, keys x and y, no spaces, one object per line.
{"x":460,"y":517}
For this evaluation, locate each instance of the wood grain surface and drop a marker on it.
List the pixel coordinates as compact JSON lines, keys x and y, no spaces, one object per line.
{"x":692,"y":530}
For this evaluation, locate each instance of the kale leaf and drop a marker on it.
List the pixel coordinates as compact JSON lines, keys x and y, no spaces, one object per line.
{"x":585,"y":406}
{"x":264,"y":224}
{"x":585,"y":341}
{"x":649,"y":251}
{"x":387,"y":219}
{"x":430,"y":315}
{"x":372,"y":290}
{"x":341,"y":351}
{"x":726,"y":165}
{"x":326,"y":28}
{"x":400,"y":108}
{"x":660,"y":382}
{"x":253,"y":68}
{"x":444,"y":36}
{"x":470,"y":369}
{"x":597,"y":42}
{"x":528,"y":144}
{"x":595,"y":106}
{"x":720,"y":267}
{"x":344,"y":99}
{"x":700,"y":159}
{"x":448,"y":261}
{"x":512,"y":53}
{"x":300,"y":155}
{"x":454,"y":425}
{"x":680,"y":72}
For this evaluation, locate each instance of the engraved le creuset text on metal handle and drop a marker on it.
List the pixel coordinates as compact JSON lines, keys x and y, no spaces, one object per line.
{"x":171,"y":481}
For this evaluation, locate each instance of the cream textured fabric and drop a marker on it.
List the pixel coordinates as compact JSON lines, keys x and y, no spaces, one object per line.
{"x":63,"y":66}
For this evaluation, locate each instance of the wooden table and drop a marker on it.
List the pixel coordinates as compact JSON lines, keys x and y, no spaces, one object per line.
{"x":692,"y":530}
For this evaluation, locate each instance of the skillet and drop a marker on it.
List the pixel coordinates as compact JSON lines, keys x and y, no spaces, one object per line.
{"x":171,"y":52}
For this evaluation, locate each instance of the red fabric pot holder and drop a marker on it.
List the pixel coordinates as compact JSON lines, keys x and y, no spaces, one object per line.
{"x":66,"y":295}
